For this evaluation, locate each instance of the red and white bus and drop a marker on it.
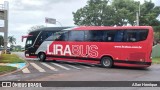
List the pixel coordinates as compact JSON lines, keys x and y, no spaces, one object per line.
{"x":121,"y":46}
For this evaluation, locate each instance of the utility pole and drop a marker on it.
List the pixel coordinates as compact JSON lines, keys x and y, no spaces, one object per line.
{"x":138,"y":13}
{"x":137,"y":18}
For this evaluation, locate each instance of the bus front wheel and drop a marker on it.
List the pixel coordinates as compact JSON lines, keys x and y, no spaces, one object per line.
{"x":42,"y":57}
{"x":107,"y":62}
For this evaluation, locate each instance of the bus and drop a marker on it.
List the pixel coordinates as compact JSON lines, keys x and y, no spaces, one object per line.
{"x":36,"y":38}
{"x":129,"y":46}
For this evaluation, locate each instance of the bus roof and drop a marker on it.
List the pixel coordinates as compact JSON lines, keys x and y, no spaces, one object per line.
{"x":110,"y":27}
{"x":51,"y":29}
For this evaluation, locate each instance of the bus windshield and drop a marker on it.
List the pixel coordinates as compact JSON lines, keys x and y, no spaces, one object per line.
{"x":31,"y":39}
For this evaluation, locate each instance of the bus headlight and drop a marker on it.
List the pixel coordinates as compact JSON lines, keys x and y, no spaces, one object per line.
{"x":27,"y":54}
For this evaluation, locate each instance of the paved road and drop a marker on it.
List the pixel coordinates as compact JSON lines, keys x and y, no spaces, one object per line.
{"x":61,"y":71}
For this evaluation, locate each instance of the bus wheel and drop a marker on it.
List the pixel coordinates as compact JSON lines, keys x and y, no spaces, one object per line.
{"x":42,"y":57}
{"x":106,"y":62}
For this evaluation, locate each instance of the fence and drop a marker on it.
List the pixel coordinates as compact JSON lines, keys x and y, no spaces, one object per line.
{"x":156,"y":51}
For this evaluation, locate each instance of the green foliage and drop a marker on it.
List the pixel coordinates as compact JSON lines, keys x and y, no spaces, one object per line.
{"x":5,"y":69}
{"x":149,"y":14}
{"x":156,"y":60}
{"x":156,"y":33}
{"x":125,"y":12}
{"x":116,"y":12}
{"x":8,"y":58}
{"x":156,"y":36}
{"x":96,"y":13}
{"x":12,"y":40}
{"x":1,"y":41}
{"x":156,"y":28}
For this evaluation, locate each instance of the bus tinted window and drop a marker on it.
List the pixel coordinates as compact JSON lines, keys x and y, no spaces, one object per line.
{"x":143,"y":35}
{"x":131,"y":36}
{"x":50,"y":38}
{"x":119,"y":36}
{"x":116,"y":35}
{"x":76,"y":36}
{"x":110,"y":35}
{"x":94,"y":35}
{"x":100,"y":35}
{"x":63,"y":37}
{"x":44,"y":35}
{"x":136,"y":35}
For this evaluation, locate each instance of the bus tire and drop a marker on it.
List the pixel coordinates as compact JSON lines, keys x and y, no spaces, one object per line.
{"x":106,"y":62}
{"x":42,"y":57}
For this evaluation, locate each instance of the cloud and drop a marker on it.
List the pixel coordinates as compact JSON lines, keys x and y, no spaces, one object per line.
{"x":157,"y":2}
{"x":30,"y":5}
{"x":24,"y":14}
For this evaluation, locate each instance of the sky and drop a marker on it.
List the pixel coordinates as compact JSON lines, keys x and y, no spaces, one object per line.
{"x":23,"y":14}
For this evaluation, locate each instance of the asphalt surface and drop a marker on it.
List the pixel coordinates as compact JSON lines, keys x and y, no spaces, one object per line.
{"x":62,"y":71}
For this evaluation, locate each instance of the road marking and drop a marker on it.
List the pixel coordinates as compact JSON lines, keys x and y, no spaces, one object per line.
{"x":50,"y":67}
{"x":38,"y":67}
{"x":74,"y":67}
{"x":60,"y":66}
{"x":26,"y":70}
{"x":85,"y":66}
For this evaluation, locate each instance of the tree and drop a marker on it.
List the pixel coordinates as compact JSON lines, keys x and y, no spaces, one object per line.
{"x":149,"y":14}
{"x":125,"y":12}
{"x":11,"y":40}
{"x":35,"y":28}
{"x":97,"y":13}
{"x":1,"y":41}
{"x":117,"y":12}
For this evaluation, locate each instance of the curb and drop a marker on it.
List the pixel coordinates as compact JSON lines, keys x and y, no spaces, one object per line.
{"x":27,"y":64}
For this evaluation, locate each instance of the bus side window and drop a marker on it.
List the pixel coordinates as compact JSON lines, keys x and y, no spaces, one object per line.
{"x":76,"y":36}
{"x":50,"y":38}
{"x":94,"y":35}
{"x":131,"y":36}
{"x":109,"y":35}
{"x":142,"y":35}
{"x":119,"y":36}
{"x":87,"y":35}
{"x":45,"y":35}
{"x":63,"y":37}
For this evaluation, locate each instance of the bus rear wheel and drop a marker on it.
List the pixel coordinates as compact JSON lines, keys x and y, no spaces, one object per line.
{"x":42,"y":57}
{"x":107,"y":62}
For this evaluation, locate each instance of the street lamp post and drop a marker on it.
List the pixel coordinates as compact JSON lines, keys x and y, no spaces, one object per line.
{"x":51,"y":21}
{"x":138,"y":13}
{"x":137,"y":17}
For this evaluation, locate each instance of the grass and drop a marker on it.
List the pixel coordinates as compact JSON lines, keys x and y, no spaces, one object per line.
{"x":8,"y":58}
{"x":5,"y":69}
{"x":156,"y":60}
